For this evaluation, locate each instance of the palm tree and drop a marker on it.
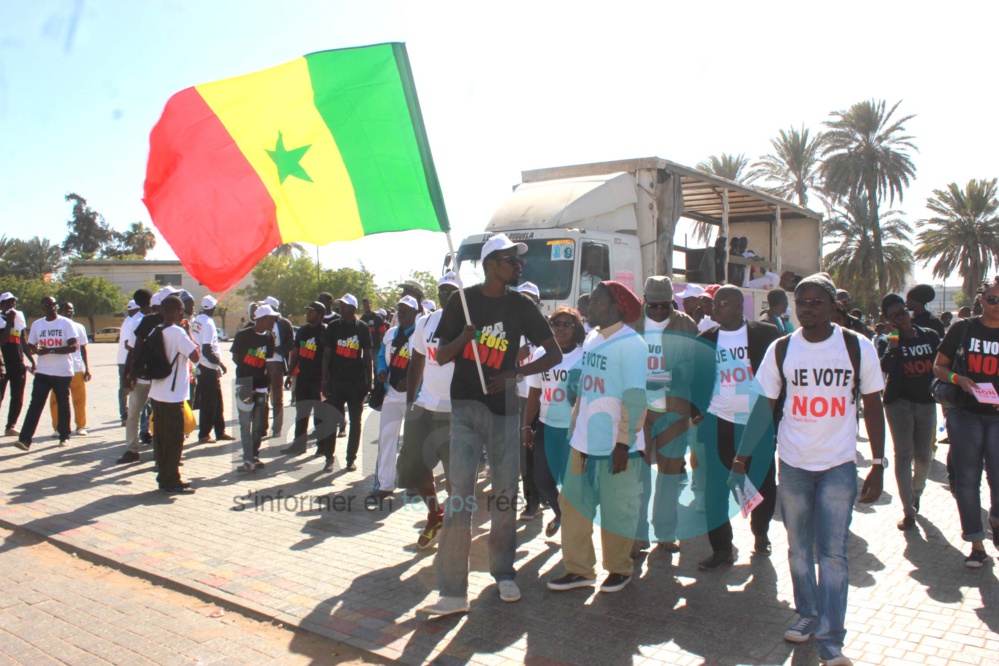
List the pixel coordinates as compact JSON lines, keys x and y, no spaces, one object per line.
{"x":964,"y":235}
{"x":793,"y":166}
{"x":730,"y":167}
{"x":36,"y":257}
{"x":850,"y":263}
{"x":139,"y":239}
{"x":289,"y":251}
{"x":867,"y":152}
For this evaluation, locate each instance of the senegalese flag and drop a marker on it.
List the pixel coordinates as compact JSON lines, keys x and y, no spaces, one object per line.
{"x":325,"y":148}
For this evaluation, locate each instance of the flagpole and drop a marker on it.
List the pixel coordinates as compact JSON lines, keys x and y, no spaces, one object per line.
{"x":464,"y":306}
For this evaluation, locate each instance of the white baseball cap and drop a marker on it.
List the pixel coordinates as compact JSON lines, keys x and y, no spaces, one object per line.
{"x":271,"y":301}
{"x":409,"y":301}
{"x":131,"y":305}
{"x":265,"y":311}
{"x":209,"y":302}
{"x":500,"y":242}
{"x":6,"y":296}
{"x":349,"y":299}
{"x":157,"y":299}
{"x":382,"y":312}
{"x":692,"y":291}
{"x":167,"y":291}
{"x":450,"y":278}
{"x":429,"y":305}
{"x":530,"y":288}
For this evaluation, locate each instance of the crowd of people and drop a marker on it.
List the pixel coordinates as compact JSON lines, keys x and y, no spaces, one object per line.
{"x":602,"y":412}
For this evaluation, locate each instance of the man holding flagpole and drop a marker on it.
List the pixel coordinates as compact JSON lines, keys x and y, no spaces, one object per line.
{"x":499,"y":316}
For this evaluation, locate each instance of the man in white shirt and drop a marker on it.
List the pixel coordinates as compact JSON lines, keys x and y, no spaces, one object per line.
{"x":210,"y":370}
{"x":81,"y":375}
{"x":123,"y":332}
{"x":52,"y":339}
{"x":14,"y":349}
{"x":168,"y":396}
{"x":825,"y":369}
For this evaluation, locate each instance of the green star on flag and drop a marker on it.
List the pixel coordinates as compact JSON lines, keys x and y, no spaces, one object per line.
{"x":287,"y":161}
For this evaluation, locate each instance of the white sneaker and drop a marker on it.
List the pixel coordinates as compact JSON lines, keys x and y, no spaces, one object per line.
{"x":446,"y":606}
{"x":82,"y":432}
{"x":509,"y":591}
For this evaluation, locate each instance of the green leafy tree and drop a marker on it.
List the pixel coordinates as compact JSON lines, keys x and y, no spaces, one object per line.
{"x":867,"y":152}
{"x":34,"y":258}
{"x":296,"y":282}
{"x":29,"y":291}
{"x":390,"y":295}
{"x":289,"y":251}
{"x":91,"y":295}
{"x":792,"y":169}
{"x":139,"y":240}
{"x":730,"y":167}
{"x":229,"y":303}
{"x":89,"y":234}
{"x":849,"y":264}
{"x":963,"y":235}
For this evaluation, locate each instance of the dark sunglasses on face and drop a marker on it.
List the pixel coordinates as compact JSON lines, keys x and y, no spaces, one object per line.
{"x":513,"y":260}
{"x":658,"y":306}
{"x":809,"y":302}
{"x":561,"y":323}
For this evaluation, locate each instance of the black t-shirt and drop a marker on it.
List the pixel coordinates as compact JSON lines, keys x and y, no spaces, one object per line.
{"x":250,"y":351}
{"x":345,"y":342}
{"x":911,"y":365}
{"x":13,"y":353}
{"x":376,"y":327}
{"x":982,"y":362}
{"x":309,"y":343}
{"x":927,"y":320}
{"x":499,"y":324}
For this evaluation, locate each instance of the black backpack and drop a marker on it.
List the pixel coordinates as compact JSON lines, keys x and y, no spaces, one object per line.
{"x":152,"y":362}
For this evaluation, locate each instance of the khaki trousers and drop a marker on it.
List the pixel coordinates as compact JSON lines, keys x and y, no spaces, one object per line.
{"x":78,"y":395}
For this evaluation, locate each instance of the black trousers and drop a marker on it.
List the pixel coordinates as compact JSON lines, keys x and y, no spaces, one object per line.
{"x":350,"y":400}
{"x":15,"y":379}
{"x":532,"y":496}
{"x":122,"y":392}
{"x":717,"y":497}
{"x":39,"y":396}
{"x":212,"y":409}
{"x":168,"y":434}
{"x":309,"y":402}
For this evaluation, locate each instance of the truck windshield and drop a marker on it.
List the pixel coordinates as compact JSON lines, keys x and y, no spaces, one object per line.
{"x":550,"y":263}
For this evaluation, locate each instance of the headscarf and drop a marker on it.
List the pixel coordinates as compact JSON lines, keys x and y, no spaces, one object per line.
{"x":627,"y":303}
{"x":922,"y":293}
{"x":890,"y":300}
{"x":820,"y":280}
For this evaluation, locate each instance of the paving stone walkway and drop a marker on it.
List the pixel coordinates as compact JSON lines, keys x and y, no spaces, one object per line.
{"x":300,"y":546}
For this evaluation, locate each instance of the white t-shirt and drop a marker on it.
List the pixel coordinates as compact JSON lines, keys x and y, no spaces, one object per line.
{"x":435,"y":392}
{"x":277,"y":343}
{"x":177,"y":343}
{"x":556,"y":410}
{"x":19,"y":325}
{"x":819,"y":426}
{"x":50,"y":335}
{"x":522,"y":386}
{"x":81,"y":342}
{"x":705,"y":324}
{"x":733,"y":377}
{"x":204,"y":332}
{"x":609,"y":367}
{"x":658,"y":377}
{"x":126,"y":329}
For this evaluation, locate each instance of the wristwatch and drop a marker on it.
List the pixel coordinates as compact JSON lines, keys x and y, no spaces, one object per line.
{"x":518,"y":378}
{"x":880,"y":462}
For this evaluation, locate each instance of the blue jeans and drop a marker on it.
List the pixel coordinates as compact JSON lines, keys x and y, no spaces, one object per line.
{"x":817,"y":508}
{"x":974,"y":443}
{"x":472,"y":426}
{"x":251,"y":425}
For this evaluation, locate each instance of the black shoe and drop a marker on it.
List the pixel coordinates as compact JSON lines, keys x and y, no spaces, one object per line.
{"x":907,"y":523}
{"x":570,"y":582}
{"x":915,"y":504}
{"x":293,"y":450}
{"x":330,"y":465}
{"x":351,"y":467}
{"x":615,"y":582}
{"x":317,"y":453}
{"x":127,"y":457}
{"x":124,"y":420}
{"x":718,"y":559}
{"x":976,"y":560}
{"x":183,"y":489}
{"x":342,"y":433}
{"x":763,"y":546}
{"x":21,"y":445}
{"x":258,"y":464}
{"x":146,"y":438}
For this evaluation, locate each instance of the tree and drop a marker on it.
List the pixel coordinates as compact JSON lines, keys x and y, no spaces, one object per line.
{"x":297,"y":282}
{"x":229,"y":302}
{"x":139,"y":239}
{"x":89,"y":233}
{"x":391,"y":295}
{"x":867,"y":152}
{"x":792,"y":169}
{"x":91,"y":295}
{"x":35,"y":258}
{"x":850,"y":263}
{"x":963,"y":236}
{"x":289,"y":251}
{"x":29,"y":291}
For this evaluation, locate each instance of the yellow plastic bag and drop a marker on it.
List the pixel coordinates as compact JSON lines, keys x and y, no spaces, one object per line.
{"x":190,"y":423}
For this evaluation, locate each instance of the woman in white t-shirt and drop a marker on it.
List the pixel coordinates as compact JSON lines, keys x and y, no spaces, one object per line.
{"x":548,"y":401}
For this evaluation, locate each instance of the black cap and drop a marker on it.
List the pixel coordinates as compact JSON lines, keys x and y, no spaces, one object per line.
{"x":318,"y":307}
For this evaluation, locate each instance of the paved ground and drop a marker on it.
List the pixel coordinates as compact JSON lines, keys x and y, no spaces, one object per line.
{"x":57,"y":608}
{"x":298,"y":545}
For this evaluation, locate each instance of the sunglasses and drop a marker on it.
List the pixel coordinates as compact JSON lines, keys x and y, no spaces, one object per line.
{"x":992,"y":300}
{"x":809,"y":302}
{"x":561,"y":323}
{"x":511,"y":259}
{"x":658,"y":306}
{"x":725,"y":304}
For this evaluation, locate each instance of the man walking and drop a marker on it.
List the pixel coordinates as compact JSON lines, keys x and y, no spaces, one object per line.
{"x":605,"y":465}
{"x":347,"y":374}
{"x":250,"y":350}
{"x":306,"y":366}
{"x":376,"y":323}
{"x":52,"y":340}
{"x":284,"y":339}
{"x":499,"y":315}
{"x":126,"y":328}
{"x":737,"y":347}
{"x":210,"y":370}
{"x":81,"y":375}
{"x":13,"y":347}
{"x":168,"y":396}
{"x":822,"y":369}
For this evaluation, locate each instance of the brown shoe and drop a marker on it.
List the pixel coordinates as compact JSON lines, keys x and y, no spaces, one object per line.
{"x":206,"y":440}
{"x":226,"y":437}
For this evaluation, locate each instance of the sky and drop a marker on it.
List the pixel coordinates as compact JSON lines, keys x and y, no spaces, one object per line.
{"x":504,"y":87}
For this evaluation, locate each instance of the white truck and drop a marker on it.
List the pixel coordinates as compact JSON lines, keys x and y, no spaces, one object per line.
{"x":617,"y":220}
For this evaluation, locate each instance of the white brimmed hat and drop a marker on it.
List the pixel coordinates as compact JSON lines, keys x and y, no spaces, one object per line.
{"x":429,"y":305}
{"x":530,"y":288}
{"x":349,"y":299}
{"x":449,"y":278}
{"x":271,"y":301}
{"x":209,"y":302}
{"x":6,"y":296}
{"x":500,"y":242}
{"x":131,"y":305}
{"x":265,"y":311}
{"x":692,"y":291}
{"x":409,"y":301}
